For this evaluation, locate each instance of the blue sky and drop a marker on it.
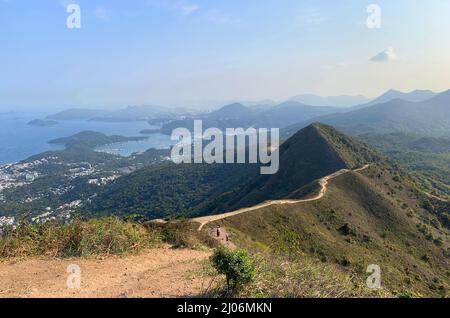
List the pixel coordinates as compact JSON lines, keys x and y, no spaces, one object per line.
{"x":178,"y":52}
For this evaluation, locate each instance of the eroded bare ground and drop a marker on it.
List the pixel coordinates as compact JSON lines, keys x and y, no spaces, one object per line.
{"x":162,"y":272}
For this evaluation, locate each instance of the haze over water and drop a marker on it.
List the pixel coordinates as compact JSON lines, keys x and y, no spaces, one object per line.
{"x":18,"y":140}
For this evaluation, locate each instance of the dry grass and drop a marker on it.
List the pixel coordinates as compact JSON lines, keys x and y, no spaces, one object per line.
{"x":306,"y":278}
{"x":80,"y":238}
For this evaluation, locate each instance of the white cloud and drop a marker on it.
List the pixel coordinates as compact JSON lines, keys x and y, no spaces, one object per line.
{"x":199,"y":14}
{"x":180,"y":6}
{"x":102,"y":14}
{"x":218,"y":17}
{"x":310,"y":17}
{"x":187,"y":9}
{"x":385,"y":56}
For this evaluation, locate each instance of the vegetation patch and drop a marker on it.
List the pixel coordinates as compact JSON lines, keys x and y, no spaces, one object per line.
{"x":108,"y":235}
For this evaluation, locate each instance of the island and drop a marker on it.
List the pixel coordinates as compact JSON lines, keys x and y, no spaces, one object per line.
{"x":150,"y":131}
{"x":42,"y":123}
{"x":92,"y":139}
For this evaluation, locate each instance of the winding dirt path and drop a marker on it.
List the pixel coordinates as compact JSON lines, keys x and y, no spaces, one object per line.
{"x":323,"y":182}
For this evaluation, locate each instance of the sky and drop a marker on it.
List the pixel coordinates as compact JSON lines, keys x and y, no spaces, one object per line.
{"x":186,"y":52}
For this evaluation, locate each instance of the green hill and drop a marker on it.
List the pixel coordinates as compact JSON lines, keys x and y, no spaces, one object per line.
{"x":373,"y":217}
{"x":92,"y":139}
{"x":167,"y":191}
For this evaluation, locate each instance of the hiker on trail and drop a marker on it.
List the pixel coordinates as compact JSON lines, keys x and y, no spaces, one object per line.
{"x":227,"y":238}
{"x":218,"y":232}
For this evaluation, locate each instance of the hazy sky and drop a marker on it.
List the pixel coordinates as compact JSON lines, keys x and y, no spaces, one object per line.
{"x":174,"y":52}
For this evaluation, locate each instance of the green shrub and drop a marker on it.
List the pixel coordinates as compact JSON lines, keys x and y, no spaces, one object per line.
{"x":237,"y":266}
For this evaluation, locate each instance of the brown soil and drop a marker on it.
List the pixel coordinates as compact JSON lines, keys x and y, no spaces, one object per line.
{"x":162,"y":272}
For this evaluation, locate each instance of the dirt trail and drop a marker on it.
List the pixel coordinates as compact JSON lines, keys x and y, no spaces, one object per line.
{"x":162,"y":272}
{"x":432,"y":196}
{"x":221,"y":235}
{"x":323,"y":183}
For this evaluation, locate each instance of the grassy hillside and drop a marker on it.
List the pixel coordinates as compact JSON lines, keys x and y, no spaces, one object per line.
{"x":425,"y":157}
{"x":169,"y":190}
{"x":376,"y":218}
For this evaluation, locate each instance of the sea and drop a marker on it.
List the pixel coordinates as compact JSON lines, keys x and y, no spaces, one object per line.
{"x":18,"y":140}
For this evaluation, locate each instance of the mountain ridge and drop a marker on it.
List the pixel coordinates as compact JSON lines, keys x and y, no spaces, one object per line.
{"x":336,"y":101}
{"x":396,"y":115}
{"x":312,"y":153}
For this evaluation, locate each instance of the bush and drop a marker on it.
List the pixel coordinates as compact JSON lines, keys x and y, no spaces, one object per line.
{"x":237,"y":266}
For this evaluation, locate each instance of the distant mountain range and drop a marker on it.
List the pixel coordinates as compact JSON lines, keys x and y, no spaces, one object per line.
{"x":419,"y":111}
{"x":359,"y":101}
{"x":238,"y":115}
{"x":79,"y":114}
{"x":130,"y":113}
{"x":290,"y":112}
{"x":336,"y":101}
{"x":429,"y":117}
{"x":414,"y":96}
{"x":42,"y":123}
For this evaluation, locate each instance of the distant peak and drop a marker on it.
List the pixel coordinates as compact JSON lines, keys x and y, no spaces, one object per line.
{"x":422,"y":91}
{"x":234,"y":105}
{"x":393,"y":91}
{"x":444,"y":96}
{"x":447,"y":92}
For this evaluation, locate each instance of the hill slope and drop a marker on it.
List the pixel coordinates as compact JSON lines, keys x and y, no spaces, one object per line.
{"x":365,"y":218}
